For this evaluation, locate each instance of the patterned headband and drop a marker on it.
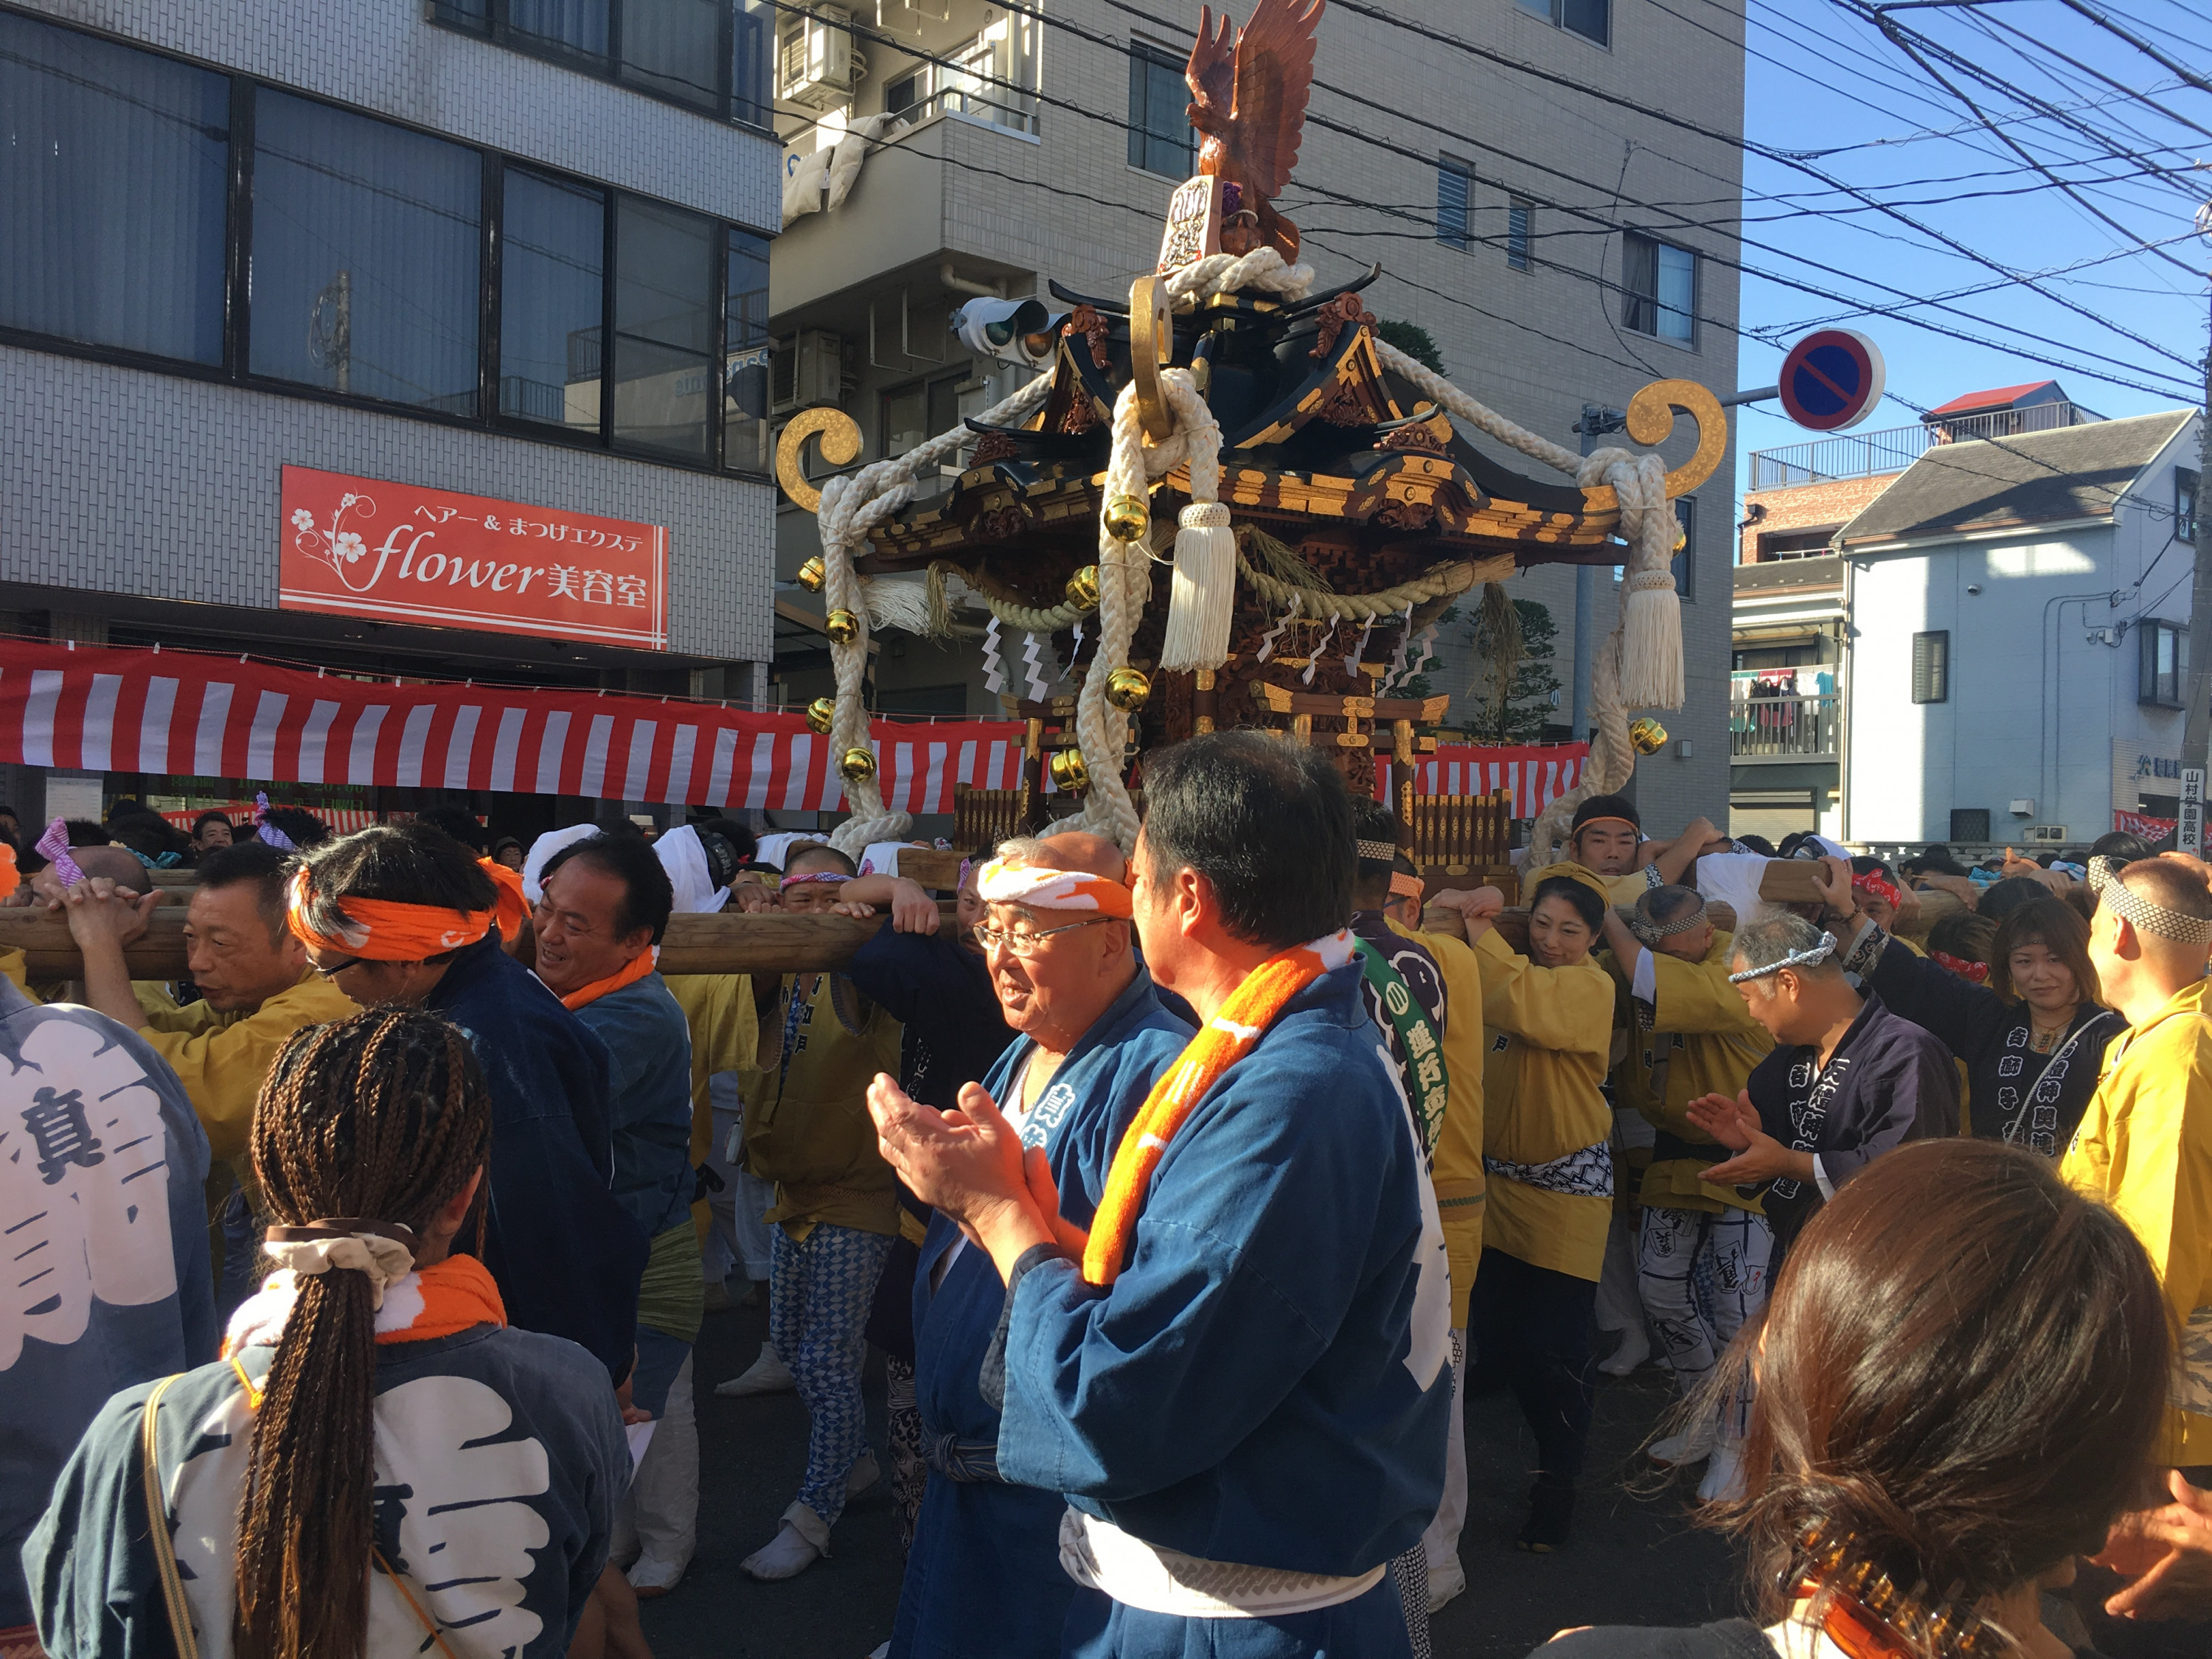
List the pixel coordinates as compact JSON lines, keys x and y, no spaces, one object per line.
{"x":1811,"y":958}
{"x":1650,"y":932}
{"x":2102,"y":868}
{"x":813,"y":875}
{"x":55,"y":844}
{"x":1375,"y":851}
{"x":1875,"y":884}
{"x":2152,"y":918}
{"x":1404,"y":886}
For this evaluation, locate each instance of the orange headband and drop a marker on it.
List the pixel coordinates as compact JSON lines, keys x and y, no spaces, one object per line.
{"x":10,"y":877}
{"x":1046,"y":888}
{"x":388,"y":930}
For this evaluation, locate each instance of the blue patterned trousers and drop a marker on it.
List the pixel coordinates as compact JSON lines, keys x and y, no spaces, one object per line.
{"x":818,"y":1298}
{"x":1701,"y":1276}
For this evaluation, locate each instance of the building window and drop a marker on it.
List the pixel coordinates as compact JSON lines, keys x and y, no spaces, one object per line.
{"x":1455,"y":187}
{"x":752,"y":63}
{"x":1591,"y":19}
{"x":992,"y":78}
{"x":1931,"y":666}
{"x":746,"y":355}
{"x":113,"y":168}
{"x":1970,"y":824}
{"x":552,"y":301}
{"x":1660,"y":289}
{"x":673,"y":50}
{"x":1520,"y":233}
{"x":1796,"y":544}
{"x":914,"y":414}
{"x":2161,"y":680}
{"x":665,"y":309}
{"x":2184,"y":503}
{"x":367,"y":243}
{"x":1685,"y":562}
{"x":365,"y":256}
{"x":1159,"y":131}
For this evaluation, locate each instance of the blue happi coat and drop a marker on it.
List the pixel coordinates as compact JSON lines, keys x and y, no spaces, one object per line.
{"x":102,"y":1165}
{"x":1267,"y":1381}
{"x":984,"y":1575}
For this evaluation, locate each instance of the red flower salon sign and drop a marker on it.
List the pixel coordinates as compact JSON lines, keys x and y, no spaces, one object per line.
{"x":367,"y":547}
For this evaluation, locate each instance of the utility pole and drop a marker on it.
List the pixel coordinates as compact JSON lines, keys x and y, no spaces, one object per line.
{"x":2197,"y":733}
{"x":1596,"y":420}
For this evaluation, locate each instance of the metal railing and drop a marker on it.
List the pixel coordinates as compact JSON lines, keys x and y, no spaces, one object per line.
{"x":1863,"y":454}
{"x":1783,"y":728}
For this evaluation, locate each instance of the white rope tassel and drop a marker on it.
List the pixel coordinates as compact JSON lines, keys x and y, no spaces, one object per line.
{"x":1205,"y":590}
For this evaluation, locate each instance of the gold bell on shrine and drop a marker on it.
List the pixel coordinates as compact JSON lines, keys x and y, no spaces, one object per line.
{"x":821,"y":715}
{"x":1068,"y":771}
{"x":812,"y":575}
{"x":1082,"y":590}
{"x":843,"y":627}
{"x":858,"y":765}
{"x":1127,"y":518}
{"x":1126,"y":690}
{"x":1647,"y":735}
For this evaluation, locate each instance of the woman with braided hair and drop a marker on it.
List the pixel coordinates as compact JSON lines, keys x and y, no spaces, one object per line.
{"x":379,"y":1464}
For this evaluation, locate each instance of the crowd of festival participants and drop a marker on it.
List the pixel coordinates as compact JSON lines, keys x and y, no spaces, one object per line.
{"x":1186,"y":1194}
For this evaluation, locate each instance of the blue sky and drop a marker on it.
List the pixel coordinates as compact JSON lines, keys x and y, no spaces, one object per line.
{"x":1823,"y":83}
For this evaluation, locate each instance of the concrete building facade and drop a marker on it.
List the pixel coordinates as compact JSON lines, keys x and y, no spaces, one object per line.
{"x":409,"y":242}
{"x":1493,"y":158}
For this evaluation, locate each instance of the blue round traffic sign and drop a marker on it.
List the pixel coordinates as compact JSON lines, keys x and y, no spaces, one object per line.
{"x":1831,"y":380}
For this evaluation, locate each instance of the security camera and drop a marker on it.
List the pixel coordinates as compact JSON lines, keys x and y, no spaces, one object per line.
{"x":1020,"y":331}
{"x":1974,"y":588}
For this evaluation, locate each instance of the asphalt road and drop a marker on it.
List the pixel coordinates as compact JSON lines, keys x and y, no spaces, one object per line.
{"x":1635,"y":1558}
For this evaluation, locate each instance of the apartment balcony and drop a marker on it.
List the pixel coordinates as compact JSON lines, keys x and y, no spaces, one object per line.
{"x":1791,"y":730}
{"x":1868,"y":454}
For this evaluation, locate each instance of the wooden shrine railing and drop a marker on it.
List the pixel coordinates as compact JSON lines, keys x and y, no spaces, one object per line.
{"x":1464,"y":841}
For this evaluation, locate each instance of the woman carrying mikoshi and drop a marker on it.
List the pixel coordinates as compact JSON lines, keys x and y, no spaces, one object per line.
{"x":378,"y":1467}
{"x":1548,"y":1158}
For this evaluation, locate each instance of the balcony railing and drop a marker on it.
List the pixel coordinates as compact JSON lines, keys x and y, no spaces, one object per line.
{"x":1863,"y":454}
{"x":1783,"y":728}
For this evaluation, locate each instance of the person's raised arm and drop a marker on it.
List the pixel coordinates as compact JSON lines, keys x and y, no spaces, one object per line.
{"x":1697,"y":836}
{"x":913,"y":910}
{"x":1956,"y":1011}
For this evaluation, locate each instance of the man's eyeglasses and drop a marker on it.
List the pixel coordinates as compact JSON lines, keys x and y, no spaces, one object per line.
{"x":333,"y":972}
{"x":1026,"y":945}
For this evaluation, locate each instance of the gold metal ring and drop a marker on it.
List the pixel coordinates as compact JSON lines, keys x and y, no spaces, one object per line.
{"x":1651,"y":420}
{"x":841,"y":445}
{"x":1152,"y":342}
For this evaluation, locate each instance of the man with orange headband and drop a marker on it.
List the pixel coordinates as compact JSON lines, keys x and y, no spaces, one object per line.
{"x":604,"y":903}
{"x":984,"y":1573}
{"x":1241,"y":1380}
{"x":401,"y":913}
{"x":1607,"y":841}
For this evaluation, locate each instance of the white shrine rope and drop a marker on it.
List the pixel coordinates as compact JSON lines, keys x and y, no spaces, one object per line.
{"x":1644,"y":649}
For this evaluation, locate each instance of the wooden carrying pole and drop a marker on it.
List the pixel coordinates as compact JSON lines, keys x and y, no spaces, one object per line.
{"x":769,"y":943}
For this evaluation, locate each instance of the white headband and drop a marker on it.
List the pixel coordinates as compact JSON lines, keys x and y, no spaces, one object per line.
{"x":1811,"y":958}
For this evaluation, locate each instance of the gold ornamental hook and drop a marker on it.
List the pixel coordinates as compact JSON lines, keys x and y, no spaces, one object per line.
{"x":841,"y":446}
{"x":1152,"y":342}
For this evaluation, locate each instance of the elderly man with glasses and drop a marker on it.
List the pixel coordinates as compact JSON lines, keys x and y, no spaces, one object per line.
{"x":984,"y":1574}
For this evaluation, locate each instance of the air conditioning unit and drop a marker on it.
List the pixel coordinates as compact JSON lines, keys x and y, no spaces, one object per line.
{"x":814,"y":57}
{"x":809,"y":368}
{"x":2046,"y":832}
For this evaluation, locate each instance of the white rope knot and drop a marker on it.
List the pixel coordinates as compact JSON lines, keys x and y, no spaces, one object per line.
{"x":383,"y":1260}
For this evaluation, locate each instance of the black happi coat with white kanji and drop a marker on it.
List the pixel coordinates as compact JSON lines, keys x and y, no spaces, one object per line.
{"x":1888,"y":1082}
{"x":2013,"y":1094}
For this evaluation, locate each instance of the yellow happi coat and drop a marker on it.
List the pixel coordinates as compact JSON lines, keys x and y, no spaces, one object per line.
{"x":2144,"y":1146}
{"x":1702,"y":1032}
{"x":1550,"y":1034}
{"x":1455,"y":1165}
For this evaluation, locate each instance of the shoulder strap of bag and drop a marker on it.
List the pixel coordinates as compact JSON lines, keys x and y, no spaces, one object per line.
{"x":157,"y":1524}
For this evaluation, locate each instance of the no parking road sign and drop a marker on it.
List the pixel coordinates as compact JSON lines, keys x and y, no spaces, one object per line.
{"x":1831,"y":380}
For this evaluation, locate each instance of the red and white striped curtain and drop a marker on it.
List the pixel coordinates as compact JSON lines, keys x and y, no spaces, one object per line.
{"x":100,"y":709}
{"x":1533,"y":773}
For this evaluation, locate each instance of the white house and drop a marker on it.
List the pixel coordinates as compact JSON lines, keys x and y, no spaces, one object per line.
{"x":2017,"y":649}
